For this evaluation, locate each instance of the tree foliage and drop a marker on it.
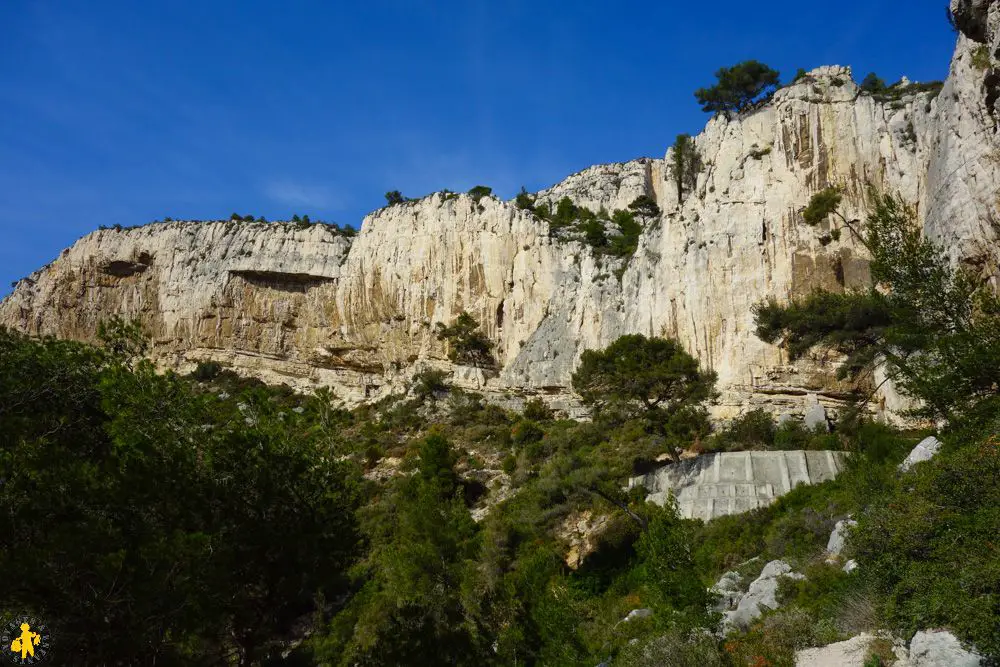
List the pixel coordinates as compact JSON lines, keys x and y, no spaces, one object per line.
{"x":524,"y":200}
{"x":936,"y":326}
{"x":873,"y":84}
{"x":644,"y":206}
{"x":480,"y":191}
{"x":685,"y":165}
{"x":652,"y":379}
{"x":738,"y":87}
{"x":822,"y":205}
{"x":394,"y":197}
{"x":409,"y":610}
{"x":466,"y":343}
{"x":150,"y":523}
{"x":668,"y":568}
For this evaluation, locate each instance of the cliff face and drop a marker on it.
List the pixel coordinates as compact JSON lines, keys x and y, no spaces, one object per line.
{"x":312,"y":307}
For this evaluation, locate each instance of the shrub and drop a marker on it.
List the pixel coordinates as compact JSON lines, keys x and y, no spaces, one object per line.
{"x":525,"y":201}
{"x":480,"y":191}
{"x":466,"y":343}
{"x":929,"y":548}
{"x":565,"y":215}
{"x":644,"y":206}
{"x":773,"y":640}
{"x":981,"y":59}
{"x":392,"y":198}
{"x":537,"y":410}
{"x":751,"y":430}
{"x":525,"y":432}
{"x":593,"y":233}
{"x":872,"y":84}
{"x":207,"y":370}
{"x":674,"y":648}
{"x":429,"y":382}
{"x":627,"y":242}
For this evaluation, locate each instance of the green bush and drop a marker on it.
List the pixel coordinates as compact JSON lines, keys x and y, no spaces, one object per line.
{"x":430,"y":382}
{"x":392,"y":198}
{"x":538,"y":411}
{"x":929,"y":548}
{"x":207,"y":370}
{"x":773,"y":640}
{"x":466,"y":343}
{"x":873,"y":85}
{"x":480,"y":191}
{"x":752,"y":430}
{"x":981,"y":58}
{"x":525,"y":432}
{"x":524,"y":200}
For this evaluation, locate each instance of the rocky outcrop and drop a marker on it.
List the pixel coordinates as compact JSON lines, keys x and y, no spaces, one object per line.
{"x":715,"y":485}
{"x":925,"y":450}
{"x":838,"y":539}
{"x":760,"y":596}
{"x":939,"y":648}
{"x":313,"y":307}
{"x":853,"y":652}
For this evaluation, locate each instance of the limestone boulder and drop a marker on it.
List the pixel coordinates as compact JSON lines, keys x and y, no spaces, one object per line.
{"x":925,"y":450}
{"x":815,"y":418}
{"x":760,"y":595}
{"x":850,"y":653}
{"x":940,"y":648}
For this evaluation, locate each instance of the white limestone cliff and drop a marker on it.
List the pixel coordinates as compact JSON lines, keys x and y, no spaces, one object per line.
{"x":312,"y":307}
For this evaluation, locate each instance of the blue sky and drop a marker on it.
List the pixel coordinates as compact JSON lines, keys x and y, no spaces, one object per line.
{"x":124,"y":112}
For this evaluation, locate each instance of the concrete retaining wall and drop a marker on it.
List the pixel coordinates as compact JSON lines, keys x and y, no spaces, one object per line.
{"x":715,"y":485}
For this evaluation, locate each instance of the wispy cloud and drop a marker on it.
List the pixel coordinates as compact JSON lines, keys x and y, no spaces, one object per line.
{"x":301,"y":194}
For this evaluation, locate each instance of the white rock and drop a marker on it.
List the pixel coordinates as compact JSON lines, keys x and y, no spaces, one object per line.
{"x":939,"y":648}
{"x":729,"y":591}
{"x":835,"y":545}
{"x":850,"y":653}
{"x":636,"y":614}
{"x":762,"y":593}
{"x":713,"y":485}
{"x":925,"y":450}
{"x":850,"y":566}
{"x":815,"y":416}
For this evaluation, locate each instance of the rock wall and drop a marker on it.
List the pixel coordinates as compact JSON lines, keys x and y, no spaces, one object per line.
{"x":312,"y":307}
{"x":715,"y":485}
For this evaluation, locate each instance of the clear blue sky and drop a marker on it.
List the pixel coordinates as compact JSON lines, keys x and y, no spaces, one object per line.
{"x":128,"y":111}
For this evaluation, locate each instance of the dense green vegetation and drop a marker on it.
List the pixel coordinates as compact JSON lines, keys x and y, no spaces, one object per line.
{"x":653,"y":382}
{"x":578,"y":222}
{"x":149,"y":521}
